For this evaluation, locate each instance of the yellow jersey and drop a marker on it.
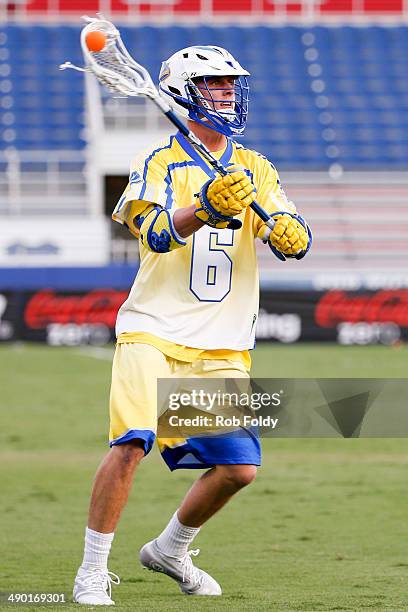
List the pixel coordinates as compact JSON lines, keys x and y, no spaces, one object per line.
{"x":205,"y":295}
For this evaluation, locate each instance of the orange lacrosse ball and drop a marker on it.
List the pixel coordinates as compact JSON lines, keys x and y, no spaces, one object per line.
{"x":95,"y":41}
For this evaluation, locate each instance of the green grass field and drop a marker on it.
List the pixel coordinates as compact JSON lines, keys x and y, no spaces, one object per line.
{"x":322,"y":528}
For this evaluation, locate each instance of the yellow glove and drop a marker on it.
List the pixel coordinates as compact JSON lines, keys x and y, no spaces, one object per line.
{"x":290,"y":237}
{"x":223,"y":198}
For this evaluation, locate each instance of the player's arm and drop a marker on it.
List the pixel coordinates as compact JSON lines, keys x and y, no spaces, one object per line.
{"x":185,"y":221}
{"x":218,"y":202}
{"x":142,"y":208}
{"x":223,"y":198}
{"x":291,"y":235}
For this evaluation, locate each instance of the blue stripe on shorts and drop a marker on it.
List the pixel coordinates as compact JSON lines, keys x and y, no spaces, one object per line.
{"x":233,"y":448}
{"x":146,"y":435}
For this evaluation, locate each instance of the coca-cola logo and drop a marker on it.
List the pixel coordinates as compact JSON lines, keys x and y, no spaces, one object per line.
{"x":387,"y":306}
{"x":97,"y":306}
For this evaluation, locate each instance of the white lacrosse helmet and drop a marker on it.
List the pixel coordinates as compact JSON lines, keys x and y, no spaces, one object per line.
{"x":177,"y":85}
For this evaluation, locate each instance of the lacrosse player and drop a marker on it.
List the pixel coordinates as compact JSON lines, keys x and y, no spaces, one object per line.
{"x":191,"y":312}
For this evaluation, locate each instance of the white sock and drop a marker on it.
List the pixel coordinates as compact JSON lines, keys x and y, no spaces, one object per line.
{"x":97,"y":548}
{"x":176,"y":538}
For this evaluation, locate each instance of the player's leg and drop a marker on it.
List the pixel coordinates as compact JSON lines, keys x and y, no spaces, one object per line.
{"x":133,"y":411}
{"x":235,"y":459}
{"x":212,"y":491}
{"x":169,"y":552}
{"x":110,"y":492}
{"x":112,"y":485}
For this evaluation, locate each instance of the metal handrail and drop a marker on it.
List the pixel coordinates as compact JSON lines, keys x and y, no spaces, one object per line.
{"x":45,"y":189}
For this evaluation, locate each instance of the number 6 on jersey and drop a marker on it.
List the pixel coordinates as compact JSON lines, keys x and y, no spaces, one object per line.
{"x":211,"y":266}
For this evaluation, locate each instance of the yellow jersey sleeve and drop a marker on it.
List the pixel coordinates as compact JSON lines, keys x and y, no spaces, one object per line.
{"x":270,"y":194}
{"x":147,"y":185}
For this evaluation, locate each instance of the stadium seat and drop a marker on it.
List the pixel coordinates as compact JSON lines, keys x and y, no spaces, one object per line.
{"x":350,"y":91}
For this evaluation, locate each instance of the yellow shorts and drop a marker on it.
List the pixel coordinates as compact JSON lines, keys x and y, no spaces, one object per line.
{"x":133,"y":405}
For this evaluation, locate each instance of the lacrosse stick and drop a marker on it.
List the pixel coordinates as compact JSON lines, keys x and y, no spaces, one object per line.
{"x":114,"y":67}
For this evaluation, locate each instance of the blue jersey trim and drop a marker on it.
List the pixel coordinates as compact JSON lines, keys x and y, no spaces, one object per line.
{"x":226,"y":156}
{"x":200,"y":162}
{"x":167,"y":180}
{"x":121,"y":202}
{"x":149,"y":159}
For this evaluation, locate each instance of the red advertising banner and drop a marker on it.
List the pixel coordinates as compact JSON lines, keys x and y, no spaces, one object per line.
{"x":217,"y":7}
{"x":97,"y":306}
{"x":62,"y":318}
{"x":384,"y":306}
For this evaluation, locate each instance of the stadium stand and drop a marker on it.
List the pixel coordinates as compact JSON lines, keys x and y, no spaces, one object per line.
{"x":328,"y":106}
{"x":320,"y":95}
{"x":40,"y":110}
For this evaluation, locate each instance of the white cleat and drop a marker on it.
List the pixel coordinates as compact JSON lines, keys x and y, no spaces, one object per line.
{"x":191,"y":580}
{"x":93,"y":587}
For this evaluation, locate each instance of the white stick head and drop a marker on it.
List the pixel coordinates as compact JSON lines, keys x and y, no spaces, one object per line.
{"x":112,"y":64}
